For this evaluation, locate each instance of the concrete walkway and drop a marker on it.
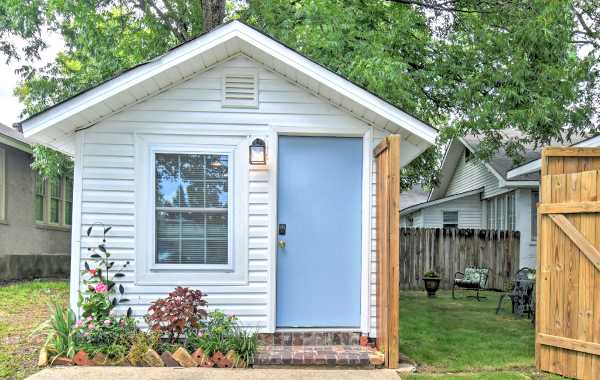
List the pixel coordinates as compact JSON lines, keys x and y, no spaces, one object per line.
{"x":130,"y":373}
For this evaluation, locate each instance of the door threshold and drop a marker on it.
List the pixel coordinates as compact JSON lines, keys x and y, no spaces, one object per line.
{"x":313,"y":329}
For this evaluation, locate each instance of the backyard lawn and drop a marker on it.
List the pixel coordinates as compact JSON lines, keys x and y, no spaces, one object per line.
{"x":22,"y":308}
{"x":465,"y":339}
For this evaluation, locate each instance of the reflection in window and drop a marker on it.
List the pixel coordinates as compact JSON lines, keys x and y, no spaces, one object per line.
{"x":191,"y":208}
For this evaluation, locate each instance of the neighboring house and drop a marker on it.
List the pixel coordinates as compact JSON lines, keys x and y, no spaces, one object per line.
{"x":476,"y":194}
{"x":172,"y":154}
{"x":35,"y":215}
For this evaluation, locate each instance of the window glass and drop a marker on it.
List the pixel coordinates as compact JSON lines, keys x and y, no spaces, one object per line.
{"x":191,"y":199}
{"x":40,"y":192}
{"x":68,"y":201}
{"x":450,"y":219}
{"x":55,"y":198}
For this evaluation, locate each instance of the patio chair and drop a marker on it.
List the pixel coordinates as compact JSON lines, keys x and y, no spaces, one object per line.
{"x":521,"y":293}
{"x":472,"y":279}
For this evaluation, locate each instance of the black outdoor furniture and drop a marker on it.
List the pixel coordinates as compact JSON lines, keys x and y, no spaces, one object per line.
{"x":472,"y":279}
{"x":521,"y":293}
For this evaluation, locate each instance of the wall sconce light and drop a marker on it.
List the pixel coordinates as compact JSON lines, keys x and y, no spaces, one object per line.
{"x":258,"y":152}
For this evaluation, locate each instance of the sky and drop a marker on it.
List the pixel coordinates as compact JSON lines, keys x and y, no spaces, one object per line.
{"x":10,"y":108}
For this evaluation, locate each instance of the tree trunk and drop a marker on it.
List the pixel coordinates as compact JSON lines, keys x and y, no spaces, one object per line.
{"x":213,"y":12}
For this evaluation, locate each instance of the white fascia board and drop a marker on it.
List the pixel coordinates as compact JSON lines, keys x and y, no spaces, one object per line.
{"x":9,"y":141}
{"x":419,"y":206}
{"x":536,"y":165}
{"x":204,"y":43}
{"x":340,"y":85}
{"x":529,"y":167}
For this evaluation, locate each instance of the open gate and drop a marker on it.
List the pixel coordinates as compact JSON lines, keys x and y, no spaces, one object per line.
{"x":387,"y":160}
{"x":568,"y":285}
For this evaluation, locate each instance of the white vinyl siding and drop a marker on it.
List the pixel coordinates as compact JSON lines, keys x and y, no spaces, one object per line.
{"x":194,"y":109}
{"x":2,"y":185}
{"x":473,"y":175}
{"x":469,"y":213}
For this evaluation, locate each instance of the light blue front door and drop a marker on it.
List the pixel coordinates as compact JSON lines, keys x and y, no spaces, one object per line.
{"x":319,"y":202}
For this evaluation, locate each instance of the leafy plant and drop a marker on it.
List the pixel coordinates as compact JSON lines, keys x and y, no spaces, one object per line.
{"x":222,"y":333}
{"x":181,"y":311}
{"x":100,"y":297}
{"x":142,"y":342}
{"x":62,"y":337}
{"x":244,"y":344}
{"x":112,"y":336}
{"x":431,"y":274}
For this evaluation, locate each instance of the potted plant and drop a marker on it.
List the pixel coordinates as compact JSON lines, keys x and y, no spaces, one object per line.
{"x":432,"y":282}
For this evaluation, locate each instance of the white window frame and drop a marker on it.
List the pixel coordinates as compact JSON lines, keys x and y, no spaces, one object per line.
{"x":47,"y":201}
{"x":457,"y":218}
{"x":147,"y":271}
{"x":183,"y":149}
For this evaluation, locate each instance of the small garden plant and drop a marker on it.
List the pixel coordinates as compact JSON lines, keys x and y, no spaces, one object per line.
{"x":175,"y":323}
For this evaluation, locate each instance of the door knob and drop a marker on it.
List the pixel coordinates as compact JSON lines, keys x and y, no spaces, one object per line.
{"x":281,"y":244}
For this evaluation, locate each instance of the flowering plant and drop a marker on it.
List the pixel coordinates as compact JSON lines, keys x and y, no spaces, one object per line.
{"x":100,"y":296}
{"x":111,"y":335}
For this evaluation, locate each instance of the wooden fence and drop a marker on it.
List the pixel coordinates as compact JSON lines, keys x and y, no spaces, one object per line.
{"x":447,"y":251}
{"x":568,"y":280}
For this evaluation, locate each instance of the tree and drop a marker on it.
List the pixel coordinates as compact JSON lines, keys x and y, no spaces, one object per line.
{"x":468,"y":67}
{"x":102,"y":38}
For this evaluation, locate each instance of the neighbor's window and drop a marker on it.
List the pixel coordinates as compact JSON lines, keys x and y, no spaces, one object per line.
{"x":450,"y":219}
{"x":40,"y":195}
{"x":68,"y":197}
{"x":53,"y":201}
{"x":192,"y":201}
{"x":535,"y":198}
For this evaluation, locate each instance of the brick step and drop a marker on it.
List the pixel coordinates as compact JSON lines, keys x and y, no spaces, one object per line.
{"x":323,"y":355}
{"x":309,"y":338}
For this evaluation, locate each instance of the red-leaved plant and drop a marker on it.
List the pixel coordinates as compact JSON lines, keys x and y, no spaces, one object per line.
{"x":181,"y":311}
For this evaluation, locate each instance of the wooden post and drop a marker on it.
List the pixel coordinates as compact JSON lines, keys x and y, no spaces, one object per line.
{"x":387,"y":155}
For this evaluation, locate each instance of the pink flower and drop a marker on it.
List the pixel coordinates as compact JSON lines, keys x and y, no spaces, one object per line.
{"x":89,"y":318}
{"x":86,"y":334}
{"x":107,"y":322}
{"x":200,"y":333}
{"x":78,"y":323}
{"x":101,"y":287}
{"x":92,"y":272}
{"x":91,"y":326}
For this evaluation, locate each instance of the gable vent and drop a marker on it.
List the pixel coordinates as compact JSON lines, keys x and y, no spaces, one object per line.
{"x":240,"y":90}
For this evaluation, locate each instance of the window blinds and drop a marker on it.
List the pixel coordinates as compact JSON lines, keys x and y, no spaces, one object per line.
{"x":191,"y":208}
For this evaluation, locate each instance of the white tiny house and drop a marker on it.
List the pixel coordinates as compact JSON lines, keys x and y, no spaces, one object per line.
{"x":234,"y":165}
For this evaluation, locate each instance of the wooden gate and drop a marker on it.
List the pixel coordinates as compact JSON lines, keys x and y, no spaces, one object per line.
{"x":387,"y":157}
{"x":568,"y":285}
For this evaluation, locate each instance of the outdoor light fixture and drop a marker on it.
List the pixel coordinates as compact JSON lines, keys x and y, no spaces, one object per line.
{"x":258,"y":152}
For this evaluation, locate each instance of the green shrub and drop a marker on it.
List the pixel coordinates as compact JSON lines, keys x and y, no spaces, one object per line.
{"x":222,"y":333}
{"x":62,"y":337}
{"x":142,"y":342}
{"x":111,"y":336}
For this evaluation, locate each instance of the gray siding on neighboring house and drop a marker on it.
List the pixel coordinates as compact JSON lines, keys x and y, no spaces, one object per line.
{"x":473,"y":175}
{"x":469,"y":213}
{"x":19,"y":234}
{"x":524,"y":215}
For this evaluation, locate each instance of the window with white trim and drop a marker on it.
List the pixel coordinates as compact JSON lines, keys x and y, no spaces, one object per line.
{"x":2,"y":184}
{"x":53,"y":204}
{"x":450,"y":219}
{"x":192,"y":204}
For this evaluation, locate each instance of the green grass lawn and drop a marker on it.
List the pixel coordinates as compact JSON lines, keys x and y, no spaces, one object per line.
{"x":465,"y":339}
{"x":23,"y":306}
